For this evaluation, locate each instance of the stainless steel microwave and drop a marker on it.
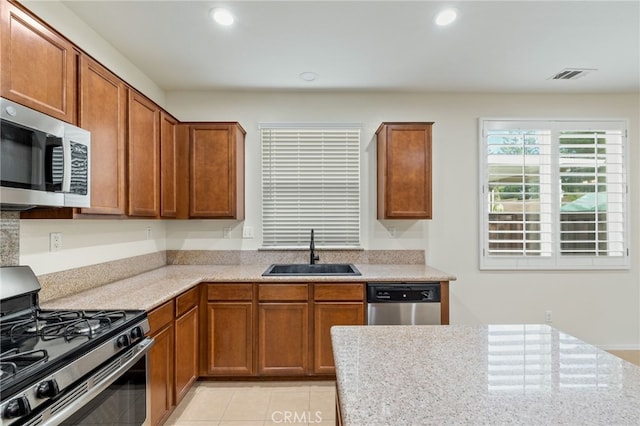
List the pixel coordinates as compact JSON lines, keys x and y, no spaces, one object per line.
{"x":44,"y":162}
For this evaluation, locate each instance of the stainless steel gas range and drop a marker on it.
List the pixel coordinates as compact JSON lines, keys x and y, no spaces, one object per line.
{"x":69,"y":367}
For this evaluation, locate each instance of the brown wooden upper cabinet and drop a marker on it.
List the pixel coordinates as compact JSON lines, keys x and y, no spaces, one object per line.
{"x":404,"y":170}
{"x":216,"y":171}
{"x":174,"y":168}
{"x":144,"y":162}
{"x":103,"y":111}
{"x":38,"y":65}
{"x":144,"y":156}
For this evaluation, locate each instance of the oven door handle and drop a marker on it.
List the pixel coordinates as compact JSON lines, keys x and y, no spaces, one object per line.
{"x":87,"y":389}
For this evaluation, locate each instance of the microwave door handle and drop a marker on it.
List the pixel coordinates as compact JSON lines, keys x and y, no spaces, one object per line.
{"x":66,"y":175}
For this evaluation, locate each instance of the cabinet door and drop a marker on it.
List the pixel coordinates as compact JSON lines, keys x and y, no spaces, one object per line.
{"x":404,"y":170}
{"x":283,"y":344}
{"x":174,"y":168}
{"x":102,"y":111}
{"x":144,"y":156}
{"x":161,"y":362}
{"x":230,"y":338}
{"x":168,"y":167}
{"x":186,"y":345}
{"x":326,"y":315}
{"x":161,"y":375}
{"x":38,"y":65}
{"x":217,"y":171}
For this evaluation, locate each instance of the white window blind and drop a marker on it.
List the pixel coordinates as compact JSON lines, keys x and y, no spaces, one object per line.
{"x":554,"y":194}
{"x":310,"y":180}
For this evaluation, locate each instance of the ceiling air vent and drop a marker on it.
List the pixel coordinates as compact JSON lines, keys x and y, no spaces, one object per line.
{"x":571,"y":74}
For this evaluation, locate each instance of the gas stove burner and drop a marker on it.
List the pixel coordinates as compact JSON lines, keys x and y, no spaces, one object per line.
{"x":85,"y":327}
{"x":14,"y":355}
{"x":34,"y":327}
{"x":13,"y":360}
{"x":67,"y":324}
{"x":70,"y":329}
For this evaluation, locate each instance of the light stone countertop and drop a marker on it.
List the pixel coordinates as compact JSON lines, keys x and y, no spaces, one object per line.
{"x":480,"y":375}
{"x":150,"y":289}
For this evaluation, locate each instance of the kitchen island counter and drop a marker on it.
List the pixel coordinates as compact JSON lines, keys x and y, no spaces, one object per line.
{"x":479,"y":374}
{"x":151,"y":289}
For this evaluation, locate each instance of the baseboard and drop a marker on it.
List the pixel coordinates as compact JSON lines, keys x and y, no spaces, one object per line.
{"x":631,"y":355}
{"x":619,"y":347}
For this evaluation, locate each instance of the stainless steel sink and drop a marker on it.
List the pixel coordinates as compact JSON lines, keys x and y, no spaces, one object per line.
{"x":308,"y":269}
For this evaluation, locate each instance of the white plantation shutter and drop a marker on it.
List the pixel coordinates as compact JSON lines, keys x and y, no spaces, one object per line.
{"x":554,"y":194}
{"x":519,"y":210}
{"x":593,"y":188}
{"x":310,"y":180}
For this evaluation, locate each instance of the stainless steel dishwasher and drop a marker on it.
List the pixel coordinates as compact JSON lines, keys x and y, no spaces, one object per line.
{"x":403,"y":303}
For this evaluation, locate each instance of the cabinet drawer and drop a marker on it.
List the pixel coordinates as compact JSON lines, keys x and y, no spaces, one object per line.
{"x":338,"y":292}
{"x":229,"y":291}
{"x":283,"y":292}
{"x":186,"y":301}
{"x":161,"y":316}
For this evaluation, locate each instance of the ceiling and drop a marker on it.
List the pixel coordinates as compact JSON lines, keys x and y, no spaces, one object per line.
{"x":493,"y":46}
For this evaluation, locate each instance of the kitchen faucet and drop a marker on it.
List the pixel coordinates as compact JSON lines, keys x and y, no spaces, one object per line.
{"x":313,"y":257}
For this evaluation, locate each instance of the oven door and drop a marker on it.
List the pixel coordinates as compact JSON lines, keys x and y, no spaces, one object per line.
{"x":115,"y":394}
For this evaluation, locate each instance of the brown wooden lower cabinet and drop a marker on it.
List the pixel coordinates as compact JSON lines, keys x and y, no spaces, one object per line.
{"x":276,"y":329}
{"x":326,"y":315}
{"x":334,"y":304}
{"x":283,"y":339}
{"x":161,"y":363}
{"x":174,"y":357}
{"x":230,"y":338}
{"x":187,"y":342}
{"x":186,"y":369}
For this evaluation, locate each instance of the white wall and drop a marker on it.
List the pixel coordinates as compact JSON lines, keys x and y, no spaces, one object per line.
{"x":87,"y":242}
{"x":602,"y":307}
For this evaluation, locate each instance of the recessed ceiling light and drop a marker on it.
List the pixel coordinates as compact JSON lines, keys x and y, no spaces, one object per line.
{"x":221,"y":16}
{"x":446,"y":17}
{"x":308,"y":76}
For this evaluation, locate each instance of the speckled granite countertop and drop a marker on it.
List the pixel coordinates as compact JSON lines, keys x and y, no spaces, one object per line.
{"x":151,"y":289}
{"x":480,"y":375}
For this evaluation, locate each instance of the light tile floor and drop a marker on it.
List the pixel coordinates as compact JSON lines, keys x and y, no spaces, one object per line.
{"x":257,"y":404}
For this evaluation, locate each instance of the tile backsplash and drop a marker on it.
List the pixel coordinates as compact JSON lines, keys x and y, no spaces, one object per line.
{"x":9,"y":238}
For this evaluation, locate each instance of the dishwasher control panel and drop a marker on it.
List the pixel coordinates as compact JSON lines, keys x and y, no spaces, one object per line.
{"x":403,"y":292}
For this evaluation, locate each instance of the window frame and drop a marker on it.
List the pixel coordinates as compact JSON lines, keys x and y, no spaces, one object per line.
{"x":556,"y":261}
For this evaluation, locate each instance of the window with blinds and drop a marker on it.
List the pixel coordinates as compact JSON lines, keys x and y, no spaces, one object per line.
{"x":310,"y":180}
{"x":554,"y":194}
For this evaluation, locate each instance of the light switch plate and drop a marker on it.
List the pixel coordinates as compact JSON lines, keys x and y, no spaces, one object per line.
{"x":247,"y":232}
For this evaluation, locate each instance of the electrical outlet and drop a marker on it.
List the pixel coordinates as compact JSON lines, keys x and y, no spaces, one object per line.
{"x":149,"y":233}
{"x":226,"y":233}
{"x":547,"y":317}
{"x":392,"y":231}
{"x":247,"y":232}
{"x":55,"y":241}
